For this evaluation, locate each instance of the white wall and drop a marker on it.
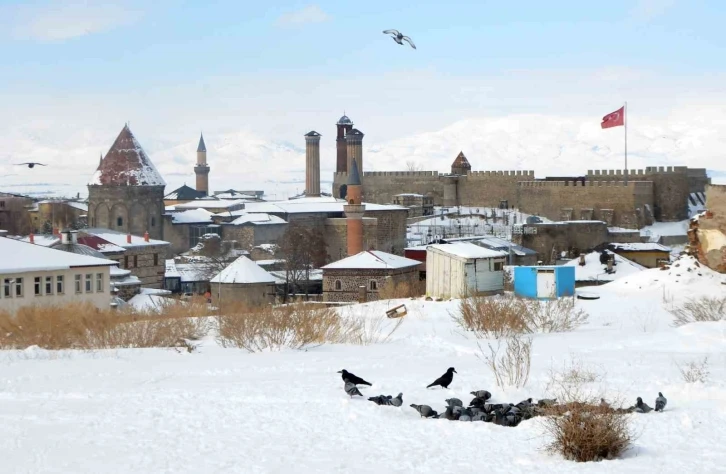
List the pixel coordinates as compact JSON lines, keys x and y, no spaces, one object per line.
{"x":100,"y":299}
{"x":446,"y":275}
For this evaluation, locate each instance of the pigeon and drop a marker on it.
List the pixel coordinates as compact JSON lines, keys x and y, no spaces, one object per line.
{"x":642,"y":407}
{"x":398,"y":401}
{"x":547,"y":402}
{"x":30,"y":165}
{"x":445,"y":380}
{"x":424,"y":410}
{"x":524,"y":403}
{"x":660,"y":402}
{"x":449,"y":413}
{"x":399,"y":38}
{"x":483,"y":394}
{"x":354,"y":379}
{"x":454,"y":402}
{"x":351,"y":389}
{"x":381,"y":400}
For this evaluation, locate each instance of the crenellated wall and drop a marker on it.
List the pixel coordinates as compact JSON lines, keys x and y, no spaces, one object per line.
{"x":488,"y":188}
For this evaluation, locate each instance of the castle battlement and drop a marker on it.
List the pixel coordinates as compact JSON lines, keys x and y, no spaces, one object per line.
{"x":647,"y":170}
{"x":519,"y":173}
{"x":400,"y":174}
{"x":640,"y":185}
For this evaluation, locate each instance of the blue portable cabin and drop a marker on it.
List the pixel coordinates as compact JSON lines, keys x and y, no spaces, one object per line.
{"x":544,"y":282}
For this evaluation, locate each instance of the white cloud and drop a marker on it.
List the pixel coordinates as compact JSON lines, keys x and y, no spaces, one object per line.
{"x":308,"y":14}
{"x":649,"y":9}
{"x":58,"y":21}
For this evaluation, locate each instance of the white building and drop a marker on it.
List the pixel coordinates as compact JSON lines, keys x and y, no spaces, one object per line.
{"x":36,"y":275}
{"x":462,"y":269}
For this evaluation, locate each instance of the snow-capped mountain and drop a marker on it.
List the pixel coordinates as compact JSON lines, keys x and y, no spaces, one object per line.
{"x":549,"y":145}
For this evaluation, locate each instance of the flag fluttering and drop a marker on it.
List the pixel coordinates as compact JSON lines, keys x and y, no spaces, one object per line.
{"x":614,"y":119}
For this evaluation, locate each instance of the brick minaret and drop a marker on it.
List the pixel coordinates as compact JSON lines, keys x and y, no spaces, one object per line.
{"x":354,"y":211}
{"x":312,"y":164}
{"x":354,"y":140}
{"x":344,"y":126}
{"x":201,"y":169}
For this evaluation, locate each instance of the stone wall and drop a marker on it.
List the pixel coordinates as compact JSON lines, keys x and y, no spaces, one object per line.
{"x":244,"y":235}
{"x":14,"y":216}
{"x":177,"y":235}
{"x":351,"y":280}
{"x":139,"y":207}
{"x":614,"y":202}
{"x":380,"y":186}
{"x":698,"y":180}
{"x":573,"y":237}
{"x":487,"y":188}
{"x":707,"y":233}
{"x":336,"y":236}
{"x":255,"y":294}
{"x":147,"y":263}
{"x":391,"y":230}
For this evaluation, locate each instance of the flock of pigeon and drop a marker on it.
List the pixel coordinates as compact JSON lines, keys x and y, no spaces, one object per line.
{"x":480,"y":408}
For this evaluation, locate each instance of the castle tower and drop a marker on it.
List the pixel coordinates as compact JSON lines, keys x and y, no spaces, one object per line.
{"x":354,"y":140}
{"x":312,"y":164}
{"x":344,"y":126}
{"x":354,"y":211}
{"x":460,"y":165}
{"x":126,"y":193}
{"x":201,"y":169}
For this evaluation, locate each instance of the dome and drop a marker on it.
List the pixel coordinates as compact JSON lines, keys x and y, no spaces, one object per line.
{"x":79,"y":249}
{"x":344,"y":120}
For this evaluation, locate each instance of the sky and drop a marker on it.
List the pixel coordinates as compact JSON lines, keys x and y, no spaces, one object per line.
{"x":172,"y":68}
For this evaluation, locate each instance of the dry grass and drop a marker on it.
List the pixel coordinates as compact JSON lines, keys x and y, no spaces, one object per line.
{"x":573,"y":383}
{"x":510,"y":368}
{"x":372,"y":326}
{"x":588,"y":433}
{"x":505,"y":315}
{"x":83,"y":326}
{"x":699,"y":310}
{"x":695,"y":371}
{"x":404,"y":289}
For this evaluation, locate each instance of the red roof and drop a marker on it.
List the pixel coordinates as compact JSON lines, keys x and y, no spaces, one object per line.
{"x":126,"y":164}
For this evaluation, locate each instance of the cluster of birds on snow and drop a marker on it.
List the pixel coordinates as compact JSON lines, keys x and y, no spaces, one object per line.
{"x":480,"y":408}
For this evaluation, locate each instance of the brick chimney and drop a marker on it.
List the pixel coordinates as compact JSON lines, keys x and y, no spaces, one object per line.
{"x":146,"y":236}
{"x":128,"y":238}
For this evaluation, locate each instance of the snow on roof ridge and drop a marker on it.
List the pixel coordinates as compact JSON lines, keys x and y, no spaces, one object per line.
{"x":243,"y":270}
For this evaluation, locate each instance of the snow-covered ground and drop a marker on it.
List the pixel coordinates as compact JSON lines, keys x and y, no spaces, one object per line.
{"x":225,"y":410}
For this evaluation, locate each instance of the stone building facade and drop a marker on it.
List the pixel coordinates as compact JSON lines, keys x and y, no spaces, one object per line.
{"x":707,"y":232}
{"x":344,"y":286}
{"x":14,"y":216}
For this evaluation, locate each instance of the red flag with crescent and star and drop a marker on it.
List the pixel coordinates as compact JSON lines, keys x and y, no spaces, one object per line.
{"x":615,"y":119}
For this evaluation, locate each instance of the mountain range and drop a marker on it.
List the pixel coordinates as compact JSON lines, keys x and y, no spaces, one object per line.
{"x":549,"y":145}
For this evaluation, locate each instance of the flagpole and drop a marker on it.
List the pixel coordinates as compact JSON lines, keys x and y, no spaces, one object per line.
{"x":625,"y":124}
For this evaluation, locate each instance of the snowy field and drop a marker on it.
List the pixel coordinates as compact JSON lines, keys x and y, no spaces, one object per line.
{"x":225,"y":410}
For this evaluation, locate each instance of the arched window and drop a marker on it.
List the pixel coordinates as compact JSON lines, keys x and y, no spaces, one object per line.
{"x":373,"y":285}
{"x":338,"y":285}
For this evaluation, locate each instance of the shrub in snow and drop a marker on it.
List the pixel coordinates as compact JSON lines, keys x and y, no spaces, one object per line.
{"x":695,"y":371}
{"x":511,"y":367}
{"x":700,"y":310}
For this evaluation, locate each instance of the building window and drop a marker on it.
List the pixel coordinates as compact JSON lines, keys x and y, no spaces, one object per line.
{"x":156,"y":259}
{"x":19,"y":287}
{"x":6,"y":288}
{"x":99,"y":282}
{"x":338,"y":285}
{"x":78,"y":283}
{"x":37,"y":286}
{"x":126,"y":261}
{"x":89,"y":282}
{"x":136,"y":261}
{"x":373,"y":285}
{"x":153,"y":221}
{"x":59,"y":285}
{"x":49,"y":285}
{"x":498,"y":266}
{"x":2,"y":204}
{"x":119,"y":222}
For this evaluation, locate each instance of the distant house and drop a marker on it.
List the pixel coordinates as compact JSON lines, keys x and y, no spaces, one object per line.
{"x":647,"y":254}
{"x":461,"y":269}
{"x":36,"y":275}
{"x":596,"y":273}
{"x":417,"y":253}
{"x":544,"y":282}
{"x":418,"y":204}
{"x":181,"y":195}
{"x":365,"y":274}
{"x":516,"y":254}
{"x":184,"y":229}
{"x":245,"y":282}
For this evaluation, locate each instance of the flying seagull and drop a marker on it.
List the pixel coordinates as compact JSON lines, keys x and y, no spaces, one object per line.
{"x":30,"y":165}
{"x":399,"y":38}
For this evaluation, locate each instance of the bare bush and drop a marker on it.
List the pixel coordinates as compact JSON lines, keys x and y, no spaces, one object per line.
{"x":699,"y":310}
{"x":588,"y":433}
{"x":504,"y":315}
{"x":573,"y":383}
{"x":371,"y":327}
{"x":695,"y":371}
{"x":510,"y":368}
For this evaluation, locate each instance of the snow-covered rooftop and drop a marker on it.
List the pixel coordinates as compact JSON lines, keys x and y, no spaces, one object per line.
{"x":372,"y":260}
{"x":192,"y":216}
{"x":188,"y":272}
{"x":21,"y":257}
{"x":322,"y":204}
{"x":126,"y":164}
{"x":243,"y":270}
{"x":43,"y":240}
{"x":210,"y":203}
{"x":593,"y":270}
{"x":257,"y":219}
{"x":467,"y":250}
{"x":640,"y":247}
{"x":119,"y":238}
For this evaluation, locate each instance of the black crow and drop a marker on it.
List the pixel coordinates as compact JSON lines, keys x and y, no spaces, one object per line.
{"x":30,"y":165}
{"x":353,"y":378}
{"x":444,"y":380}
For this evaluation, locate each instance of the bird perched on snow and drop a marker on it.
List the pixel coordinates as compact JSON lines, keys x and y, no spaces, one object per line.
{"x":642,"y":407}
{"x":424,"y":410}
{"x":354,"y":379}
{"x":483,"y":394}
{"x":399,"y":38}
{"x":660,"y":402}
{"x":397,"y":401}
{"x":454,"y":402}
{"x":445,"y":380}
{"x":351,"y":389}
{"x":381,"y":399}
{"x":30,"y":165}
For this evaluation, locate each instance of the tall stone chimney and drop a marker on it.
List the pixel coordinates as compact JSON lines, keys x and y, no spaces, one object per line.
{"x":201,"y":169}
{"x":354,"y":210}
{"x":312,"y":164}
{"x":354,"y":140}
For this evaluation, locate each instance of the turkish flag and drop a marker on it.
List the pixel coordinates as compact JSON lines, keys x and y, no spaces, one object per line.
{"x":615,"y":119}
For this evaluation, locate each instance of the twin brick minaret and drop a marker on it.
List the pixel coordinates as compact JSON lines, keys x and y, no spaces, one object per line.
{"x":201,"y":169}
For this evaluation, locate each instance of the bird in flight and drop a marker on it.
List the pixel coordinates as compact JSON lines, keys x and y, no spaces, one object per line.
{"x":399,"y":38}
{"x":30,"y":165}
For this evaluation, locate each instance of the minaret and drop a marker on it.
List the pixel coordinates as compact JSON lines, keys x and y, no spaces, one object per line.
{"x":354,"y":140}
{"x":312,"y":164}
{"x":354,"y":211}
{"x":202,"y":169}
{"x":344,"y":126}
